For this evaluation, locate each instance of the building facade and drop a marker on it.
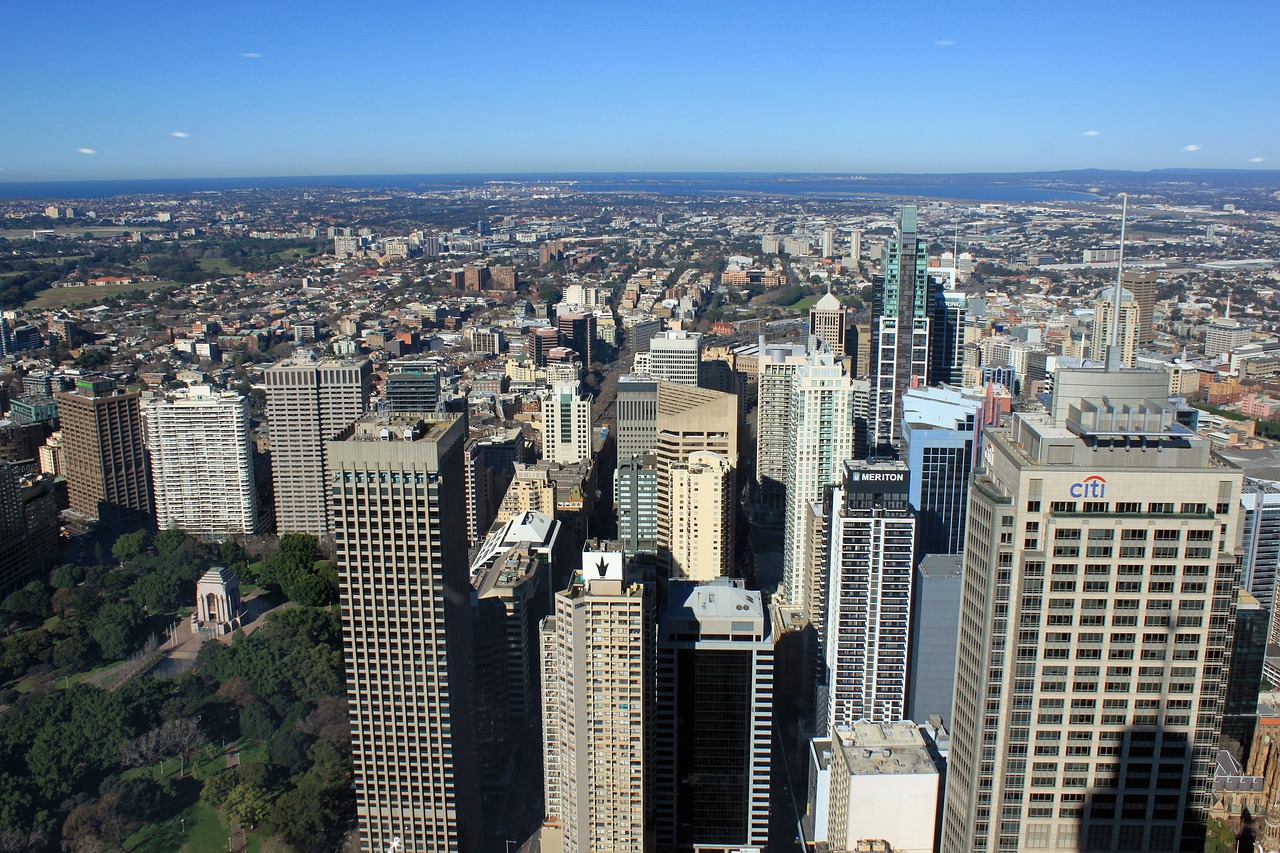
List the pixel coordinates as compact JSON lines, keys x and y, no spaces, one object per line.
{"x":566,"y":425}
{"x":103,"y":454}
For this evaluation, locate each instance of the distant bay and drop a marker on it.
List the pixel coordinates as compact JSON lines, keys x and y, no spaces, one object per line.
{"x":956,"y":187}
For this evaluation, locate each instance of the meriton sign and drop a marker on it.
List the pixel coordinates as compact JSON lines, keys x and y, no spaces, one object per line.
{"x":1092,"y":486}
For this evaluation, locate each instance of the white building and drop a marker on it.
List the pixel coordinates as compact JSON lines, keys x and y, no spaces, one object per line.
{"x":566,"y":425}
{"x":201,"y":462}
{"x":675,"y":357}
{"x":820,"y":439}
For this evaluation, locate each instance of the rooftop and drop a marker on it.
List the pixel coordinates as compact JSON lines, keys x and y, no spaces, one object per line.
{"x":884,"y":749}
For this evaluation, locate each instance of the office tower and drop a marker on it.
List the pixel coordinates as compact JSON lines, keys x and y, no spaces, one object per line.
{"x":103,"y":453}
{"x":879,"y":789}
{"x":1143,"y":285}
{"x":578,"y":332}
{"x":15,"y":559}
{"x":695,"y":533}
{"x":202,"y":462}
{"x":713,"y":727}
{"x":946,"y":350}
{"x":637,"y":416}
{"x":32,"y":409}
{"x":1225,"y":335}
{"x":399,"y":533}
{"x":509,"y":575}
{"x":539,"y":342}
{"x":1100,"y":330}
{"x":309,"y":401}
{"x":1096,"y":626}
{"x":871,"y":557}
{"x":490,"y":465}
{"x":901,"y":307}
{"x":635,"y":496}
{"x":829,"y":320}
{"x":1244,"y":678}
{"x":855,"y":246}
{"x":566,"y":425}
{"x":828,"y":242}
{"x":775,"y":373}
{"x":935,"y":630}
{"x":1260,"y":540}
{"x":489,"y":339}
{"x":412,"y":389}
{"x":597,"y":658}
{"x":940,"y":430}
{"x":820,"y":440}
{"x":675,"y":357}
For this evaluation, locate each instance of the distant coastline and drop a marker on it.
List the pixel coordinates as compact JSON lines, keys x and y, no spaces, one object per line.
{"x":988,"y":188}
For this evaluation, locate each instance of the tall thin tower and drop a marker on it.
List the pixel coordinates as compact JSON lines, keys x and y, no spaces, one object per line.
{"x":400,"y":536}
{"x":900,"y":330}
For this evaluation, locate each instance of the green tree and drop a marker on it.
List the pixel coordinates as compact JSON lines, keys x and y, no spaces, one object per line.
{"x":115,"y":629}
{"x":131,"y":545}
{"x":247,"y":804}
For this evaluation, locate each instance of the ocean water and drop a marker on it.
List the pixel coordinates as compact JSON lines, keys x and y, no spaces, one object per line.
{"x":1012,"y":189}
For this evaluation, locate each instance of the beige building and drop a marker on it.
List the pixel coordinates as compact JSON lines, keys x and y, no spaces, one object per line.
{"x":531,"y":490}
{"x":1100,"y":331}
{"x":399,"y":531}
{"x":1096,"y":623}
{"x":829,"y":320}
{"x":309,"y":401}
{"x":597,"y":665}
{"x":103,"y":456}
{"x":1143,"y":285}
{"x":694,"y":536}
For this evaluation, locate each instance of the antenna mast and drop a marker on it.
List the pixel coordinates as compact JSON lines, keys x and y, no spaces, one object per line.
{"x":1115,"y":356}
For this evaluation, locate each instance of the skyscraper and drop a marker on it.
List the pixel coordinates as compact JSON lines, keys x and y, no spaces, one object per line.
{"x":1143,"y":285}
{"x":103,"y":453}
{"x":941,"y":428}
{"x":947,"y":328}
{"x":635,"y":496}
{"x":597,"y":658}
{"x":695,"y":533}
{"x":713,"y":728}
{"x":675,"y":357}
{"x":871,"y":555}
{"x":202,"y":462}
{"x":1095,"y":626}
{"x":399,"y":530}
{"x":820,"y":440}
{"x":776,"y":372}
{"x":901,"y":307}
{"x":829,"y":320}
{"x":309,"y":401}
{"x":566,"y":425}
{"x":637,"y":411}
{"x":1100,"y":330}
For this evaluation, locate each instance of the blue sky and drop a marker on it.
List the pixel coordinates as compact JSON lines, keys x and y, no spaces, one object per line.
{"x":285,"y":88}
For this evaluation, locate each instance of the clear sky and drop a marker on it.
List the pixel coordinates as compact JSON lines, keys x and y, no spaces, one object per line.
{"x":121,"y":89}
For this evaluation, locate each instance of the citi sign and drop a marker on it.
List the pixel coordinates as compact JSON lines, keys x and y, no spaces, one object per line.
{"x":1092,"y":486}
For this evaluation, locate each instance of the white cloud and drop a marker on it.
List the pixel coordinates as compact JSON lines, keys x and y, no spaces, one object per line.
{"x":1257,"y":159}
{"x":1091,"y":133}
{"x":943,"y":43}
{"x":180,"y":134}
{"x":87,"y":150}
{"x":251,"y":55}
{"x":1191,"y":148}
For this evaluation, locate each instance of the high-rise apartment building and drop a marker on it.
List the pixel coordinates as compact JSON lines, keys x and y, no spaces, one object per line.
{"x":103,"y":452}
{"x":1100,"y":330}
{"x":202,"y":462}
{"x":775,"y":374}
{"x":820,"y":440}
{"x":597,"y":675}
{"x":1095,"y":628}
{"x":871,"y":558}
{"x":829,"y":321}
{"x":566,"y":425}
{"x":309,"y":401}
{"x":713,"y":731}
{"x":399,"y":532}
{"x":695,"y":533}
{"x":902,"y":304}
{"x":1143,"y":285}
{"x":675,"y":357}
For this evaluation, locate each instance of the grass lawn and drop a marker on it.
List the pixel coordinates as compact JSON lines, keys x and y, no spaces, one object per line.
{"x":63,"y":297}
{"x":219,"y":265}
{"x":294,"y":254}
{"x":804,"y":304}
